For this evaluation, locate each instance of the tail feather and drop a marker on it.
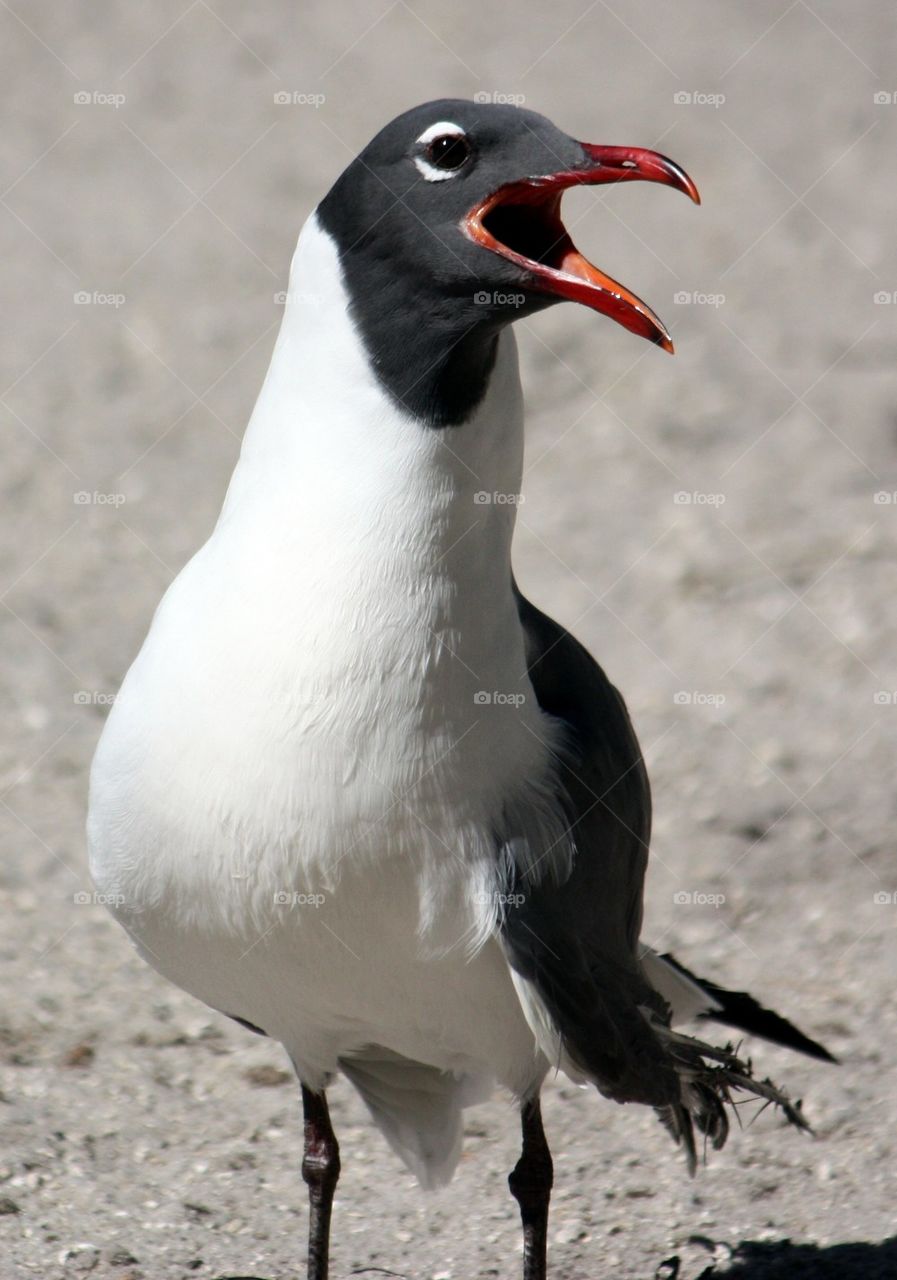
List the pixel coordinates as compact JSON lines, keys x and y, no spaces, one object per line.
{"x":740,"y":1010}
{"x":710,"y":1077}
{"x":416,"y":1107}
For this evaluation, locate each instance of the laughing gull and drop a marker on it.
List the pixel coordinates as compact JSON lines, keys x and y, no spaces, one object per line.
{"x":356,"y":792}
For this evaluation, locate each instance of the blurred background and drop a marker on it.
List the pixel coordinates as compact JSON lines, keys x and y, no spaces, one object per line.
{"x":719,"y":529}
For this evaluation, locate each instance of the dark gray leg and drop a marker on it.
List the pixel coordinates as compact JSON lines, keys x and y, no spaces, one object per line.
{"x":530,"y":1185}
{"x":320,"y":1169}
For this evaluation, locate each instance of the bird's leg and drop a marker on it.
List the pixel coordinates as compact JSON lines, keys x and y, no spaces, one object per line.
{"x":320,"y":1169}
{"x":530,"y":1185}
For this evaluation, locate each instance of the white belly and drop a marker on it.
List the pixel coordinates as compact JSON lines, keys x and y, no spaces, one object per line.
{"x":329,"y":924}
{"x":336,"y":971}
{"x":315,"y":850}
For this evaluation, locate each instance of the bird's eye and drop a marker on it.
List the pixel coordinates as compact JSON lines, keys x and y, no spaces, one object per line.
{"x":449,"y":151}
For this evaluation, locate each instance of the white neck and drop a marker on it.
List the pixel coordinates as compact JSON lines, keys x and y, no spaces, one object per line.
{"x":328,"y":444}
{"x":361,"y":573}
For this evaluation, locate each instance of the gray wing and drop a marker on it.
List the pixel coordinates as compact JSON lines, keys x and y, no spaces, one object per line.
{"x":576,"y":942}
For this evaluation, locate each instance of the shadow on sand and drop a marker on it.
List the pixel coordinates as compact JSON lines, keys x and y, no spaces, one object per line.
{"x":782,"y":1260}
{"x":769,"y":1260}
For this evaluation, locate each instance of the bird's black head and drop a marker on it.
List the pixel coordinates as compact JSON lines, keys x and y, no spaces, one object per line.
{"x":448,"y":227}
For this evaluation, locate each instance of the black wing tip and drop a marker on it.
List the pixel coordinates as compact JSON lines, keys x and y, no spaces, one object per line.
{"x":739,"y":1009}
{"x":743,"y":1012}
{"x":244,"y":1022}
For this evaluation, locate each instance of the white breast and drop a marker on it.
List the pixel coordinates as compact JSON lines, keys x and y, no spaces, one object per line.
{"x":304,"y":718}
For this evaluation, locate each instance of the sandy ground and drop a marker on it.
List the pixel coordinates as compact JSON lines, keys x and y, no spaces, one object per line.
{"x":751,"y":627}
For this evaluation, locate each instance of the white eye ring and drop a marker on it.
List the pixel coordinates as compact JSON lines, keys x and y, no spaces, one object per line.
{"x":442,"y":129}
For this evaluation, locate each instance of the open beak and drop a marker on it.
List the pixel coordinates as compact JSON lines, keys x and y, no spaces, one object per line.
{"x":522,"y":222}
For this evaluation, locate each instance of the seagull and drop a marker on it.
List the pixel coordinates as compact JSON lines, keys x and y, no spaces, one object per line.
{"x":359,"y":794}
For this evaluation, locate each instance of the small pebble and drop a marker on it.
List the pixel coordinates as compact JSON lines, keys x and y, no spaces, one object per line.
{"x":119,"y":1256}
{"x":80,"y":1055}
{"x":200,"y":1210}
{"x":267,"y":1077}
{"x":80,"y":1258}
